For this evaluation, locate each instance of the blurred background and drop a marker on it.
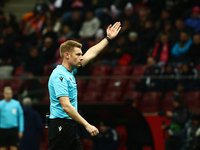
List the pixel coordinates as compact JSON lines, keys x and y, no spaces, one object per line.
{"x":144,"y":85}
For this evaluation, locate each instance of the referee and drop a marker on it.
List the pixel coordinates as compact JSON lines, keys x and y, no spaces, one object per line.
{"x":63,"y":93}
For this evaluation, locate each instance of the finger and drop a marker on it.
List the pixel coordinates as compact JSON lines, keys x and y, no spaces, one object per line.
{"x":118,"y":25}
{"x":114,"y":26}
{"x":119,"y":29}
{"x":109,"y":26}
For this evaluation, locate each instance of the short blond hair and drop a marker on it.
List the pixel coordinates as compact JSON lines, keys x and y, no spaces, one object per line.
{"x":7,"y":88}
{"x":68,"y":46}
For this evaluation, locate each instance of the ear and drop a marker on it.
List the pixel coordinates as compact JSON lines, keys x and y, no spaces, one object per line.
{"x":67,"y":55}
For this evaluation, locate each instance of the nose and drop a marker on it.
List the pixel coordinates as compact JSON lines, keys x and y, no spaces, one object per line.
{"x":81,"y":58}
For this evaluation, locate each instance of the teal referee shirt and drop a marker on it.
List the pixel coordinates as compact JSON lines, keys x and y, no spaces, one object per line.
{"x":61,"y":83}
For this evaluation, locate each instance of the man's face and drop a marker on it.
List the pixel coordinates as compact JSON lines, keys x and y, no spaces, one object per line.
{"x":75,"y":57}
{"x":102,"y":128}
{"x":196,"y":39}
{"x":8,"y":95}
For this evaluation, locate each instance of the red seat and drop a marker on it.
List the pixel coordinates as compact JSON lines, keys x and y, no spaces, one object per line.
{"x":138,"y":71}
{"x":132,"y":95}
{"x":121,"y":70}
{"x":112,"y":97}
{"x":151,"y":101}
{"x":167,"y":103}
{"x":131,"y":85}
{"x":117,"y":85}
{"x":96,"y":84}
{"x":19,"y":71}
{"x":101,"y":71}
{"x":81,"y":84}
{"x":149,"y":105}
{"x":198,"y":67}
{"x":91,"y":97}
{"x":3,"y":83}
{"x":46,"y":98}
{"x":192,"y":100}
{"x":122,"y":137}
{"x":16,"y":84}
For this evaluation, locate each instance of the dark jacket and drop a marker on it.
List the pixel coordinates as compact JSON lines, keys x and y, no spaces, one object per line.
{"x":106,"y":141}
{"x":33,"y":126}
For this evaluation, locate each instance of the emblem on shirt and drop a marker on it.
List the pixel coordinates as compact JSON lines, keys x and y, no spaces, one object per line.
{"x":61,"y":78}
{"x":14,"y":111}
{"x":59,"y":128}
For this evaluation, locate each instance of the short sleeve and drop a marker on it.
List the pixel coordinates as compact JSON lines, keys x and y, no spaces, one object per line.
{"x":60,"y":86}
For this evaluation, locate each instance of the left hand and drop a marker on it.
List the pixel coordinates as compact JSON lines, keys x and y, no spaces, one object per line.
{"x":20,"y":134}
{"x":169,"y":114}
{"x":112,"y":31}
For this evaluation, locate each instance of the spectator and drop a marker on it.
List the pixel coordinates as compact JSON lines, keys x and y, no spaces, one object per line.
{"x":29,"y":35}
{"x":75,"y":21}
{"x":89,"y":26}
{"x":20,"y":52}
{"x":12,"y":121}
{"x":129,"y":13}
{"x":148,"y":33}
{"x":152,"y":84}
{"x":194,"y":21}
{"x":34,"y":62}
{"x":66,"y":32}
{"x":115,"y":14}
{"x":190,"y":82}
{"x":170,"y":83}
{"x":162,"y":50}
{"x":179,"y":116}
{"x":50,"y":33}
{"x":32,"y":88}
{"x":2,"y":21}
{"x":48,"y":50}
{"x":181,"y":47}
{"x":192,"y":141}
{"x":137,"y":49}
{"x":107,"y":138}
{"x":126,"y":28}
{"x":194,"y":51}
{"x":36,"y":19}
{"x":33,"y":126}
{"x":165,"y":17}
{"x":11,"y":20}
{"x":142,"y":17}
{"x":114,"y":53}
{"x":50,"y":19}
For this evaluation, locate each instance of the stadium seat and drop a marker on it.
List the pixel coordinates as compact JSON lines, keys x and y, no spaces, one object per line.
{"x":101,"y":70}
{"x":121,"y":71}
{"x":112,"y":97}
{"x":116,"y":85}
{"x":151,"y":101}
{"x":44,"y":82}
{"x":167,"y":103}
{"x":192,"y":100}
{"x":122,"y":137}
{"x":132,"y":95}
{"x":96,"y":85}
{"x":138,"y":71}
{"x":16,"y":84}
{"x":46,"y":99}
{"x":3,"y":83}
{"x":19,"y":71}
{"x":198,"y":67}
{"x":131,"y":85}
{"x":81,"y":84}
{"x":47,"y":69}
{"x":91,"y":97}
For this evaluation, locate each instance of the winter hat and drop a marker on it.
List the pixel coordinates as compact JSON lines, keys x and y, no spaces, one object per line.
{"x":100,"y":33}
{"x":114,"y":11}
{"x":195,"y":9}
{"x":132,"y":34}
{"x":129,"y":6}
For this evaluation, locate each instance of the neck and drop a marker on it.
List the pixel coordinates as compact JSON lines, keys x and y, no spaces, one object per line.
{"x":67,"y":66}
{"x":7,"y":100}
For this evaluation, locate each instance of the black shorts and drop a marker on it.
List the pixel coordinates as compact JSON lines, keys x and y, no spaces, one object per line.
{"x":9,"y":137}
{"x":62,"y":135}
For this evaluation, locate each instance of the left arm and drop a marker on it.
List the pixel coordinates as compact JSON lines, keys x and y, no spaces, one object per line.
{"x":112,"y":32}
{"x":21,"y":121}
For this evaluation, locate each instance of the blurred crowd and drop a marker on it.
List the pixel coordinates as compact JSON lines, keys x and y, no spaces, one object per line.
{"x":166,"y":30}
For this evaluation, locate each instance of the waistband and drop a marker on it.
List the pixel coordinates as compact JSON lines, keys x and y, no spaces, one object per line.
{"x":63,"y":120}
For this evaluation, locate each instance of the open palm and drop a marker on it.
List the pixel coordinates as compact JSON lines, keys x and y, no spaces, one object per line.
{"x":112,"y":31}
